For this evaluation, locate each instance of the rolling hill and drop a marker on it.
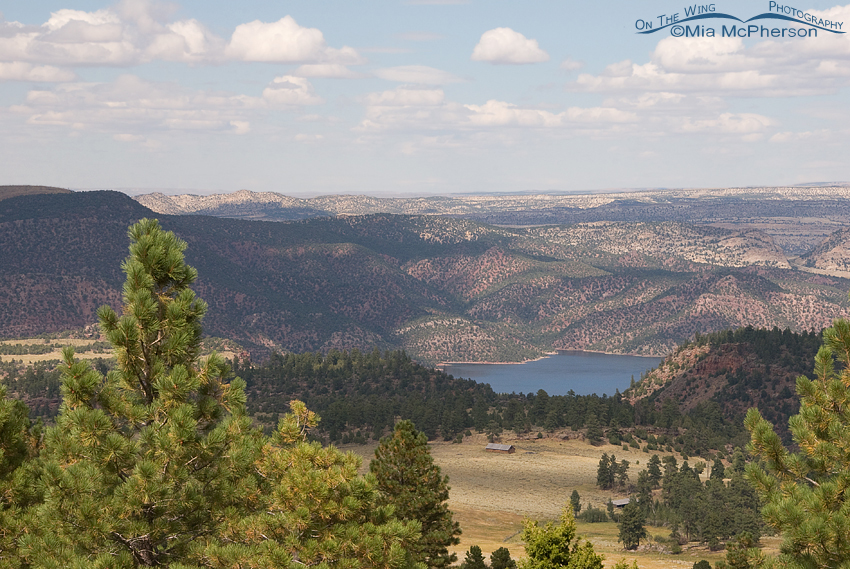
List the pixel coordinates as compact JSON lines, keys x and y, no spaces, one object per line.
{"x":444,"y":289}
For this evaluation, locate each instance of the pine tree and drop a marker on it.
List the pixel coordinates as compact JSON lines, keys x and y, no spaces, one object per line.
{"x":631,"y":525}
{"x":412,"y":483}
{"x":606,"y":471}
{"x":653,"y":468}
{"x":594,"y":430}
{"x":501,"y":559}
{"x":313,"y":508}
{"x":644,"y":492}
{"x":575,"y":502}
{"x":552,"y":546}
{"x":718,"y":471}
{"x":474,"y":559}
{"x":18,"y":485}
{"x":805,"y":493}
{"x":141,"y":460}
{"x":156,"y":464}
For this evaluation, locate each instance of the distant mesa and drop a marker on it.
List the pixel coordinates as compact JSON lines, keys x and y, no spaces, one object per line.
{"x":797,"y":218}
{"x":7,"y":192}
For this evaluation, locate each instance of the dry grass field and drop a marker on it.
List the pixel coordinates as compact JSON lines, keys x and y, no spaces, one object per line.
{"x":56,"y":353}
{"x":492,"y":493}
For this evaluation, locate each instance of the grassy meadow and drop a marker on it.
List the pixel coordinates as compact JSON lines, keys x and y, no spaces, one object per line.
{"x":491,"y":494}
{"x":86,"y":349}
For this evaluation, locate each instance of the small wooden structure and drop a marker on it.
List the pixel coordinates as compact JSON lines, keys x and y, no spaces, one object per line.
{"x":621,"y":503}
{"x":496,"y":447}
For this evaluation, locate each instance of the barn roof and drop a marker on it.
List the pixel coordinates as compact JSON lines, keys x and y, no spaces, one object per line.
{"x":497,"y":446}
{"x":621,"y":503}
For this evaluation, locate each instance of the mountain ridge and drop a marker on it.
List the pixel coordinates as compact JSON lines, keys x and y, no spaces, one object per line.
{"x":442,"y":288}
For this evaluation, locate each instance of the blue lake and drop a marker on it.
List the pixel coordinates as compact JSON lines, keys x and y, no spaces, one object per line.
{"x":582,"y":372}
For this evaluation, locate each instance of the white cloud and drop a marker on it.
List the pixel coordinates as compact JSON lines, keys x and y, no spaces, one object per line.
{"x":729,"y":123}
{"x":500,"y":113}
{"x":20,"y":71}
{"x":285,"y":41}
{"x":135,"y":32}
{"x":290,"y":90}
{"x":187,"y":40}
{"x":728,"y":66}
{"x":787,"y":136}
{"x":504,"y":45}
{"x":406,"y":97}
{"x":417,"y":74}
{"x":327,"y":70}
{"x":240,"y":127}
{"x":131,"y":107}
{"x":428,"y":110}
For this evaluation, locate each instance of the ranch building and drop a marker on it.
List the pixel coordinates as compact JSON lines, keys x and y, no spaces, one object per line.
{"x":496,"y":447}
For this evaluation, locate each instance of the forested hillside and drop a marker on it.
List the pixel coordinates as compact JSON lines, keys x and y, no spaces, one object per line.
{"x":360,"y":396}
{"x":442,"y":289}
{"x":736,"y":370}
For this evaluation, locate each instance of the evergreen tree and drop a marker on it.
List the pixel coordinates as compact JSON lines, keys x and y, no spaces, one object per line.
{"x":621,"y":471}
{"x":156,"y":464}
{"x":606,"y":471}
{"x":501,"y":559}
{"x":575,"y":502}
{"x":644,"y":491}
{"x":552,"y":546}
{"x":738,"y":552}
{"x":653,"y":468}
{"x":142,"y":460}
{"x":718,"y":471}
{"x":594,"y":430}
{"x":631,"y":525}
{"x":805,"y":493}
{"x":474,"y":559}
{"x":18,"y":488}
{"x":312,"y":509}
{"x":412,"y":483}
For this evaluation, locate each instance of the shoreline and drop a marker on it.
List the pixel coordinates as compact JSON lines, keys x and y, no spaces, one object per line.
{"x":544,"y":356}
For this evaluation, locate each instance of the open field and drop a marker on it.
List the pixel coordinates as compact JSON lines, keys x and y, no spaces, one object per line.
{"x":491,"y":494}
{"x":55,"y":354}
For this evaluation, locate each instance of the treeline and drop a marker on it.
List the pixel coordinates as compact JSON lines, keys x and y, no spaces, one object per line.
{"x":39,"y":384}
{"x":784,"y":347}
{"x":361,"y":395}
{"x":710,"y":512}
{"x":46,"y":348}
{"x":723,"y":508}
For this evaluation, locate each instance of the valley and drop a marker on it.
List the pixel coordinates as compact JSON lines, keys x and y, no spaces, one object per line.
{"x":441,"y":288}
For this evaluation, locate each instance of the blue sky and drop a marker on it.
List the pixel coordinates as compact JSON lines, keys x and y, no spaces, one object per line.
{"x":413,"y":97}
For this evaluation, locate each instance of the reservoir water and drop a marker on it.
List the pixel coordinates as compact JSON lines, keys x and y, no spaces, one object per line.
{"x":582,"y":372}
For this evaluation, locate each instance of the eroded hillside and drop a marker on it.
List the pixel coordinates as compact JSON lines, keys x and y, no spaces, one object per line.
{"x":444,"y":289}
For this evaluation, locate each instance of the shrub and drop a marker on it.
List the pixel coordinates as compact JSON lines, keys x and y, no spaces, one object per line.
{"x":593,"y":515}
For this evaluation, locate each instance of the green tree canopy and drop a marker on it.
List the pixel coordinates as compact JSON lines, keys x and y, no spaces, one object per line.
{"x":501,"y":559}
{"x":156,"y":464}
{"x":631,"y":525}
{"x":474,"y":559}
{"x":575,"y":502}
{"x":410,"y":481}
{"x":805,"y":493}
{"x":556,"y":546}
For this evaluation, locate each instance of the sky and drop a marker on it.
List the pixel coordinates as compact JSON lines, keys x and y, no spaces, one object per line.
{"x":420,"y":97}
